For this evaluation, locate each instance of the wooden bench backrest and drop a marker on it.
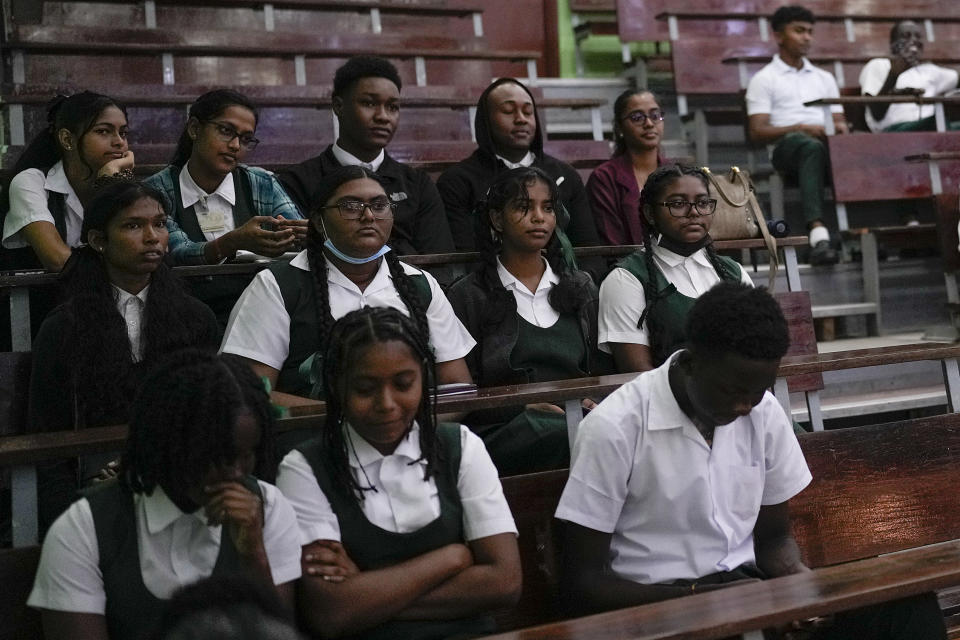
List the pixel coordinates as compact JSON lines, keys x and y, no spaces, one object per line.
{"x":875,"y":489}
{"x":871,"y":167}
{"x":803,"y":339}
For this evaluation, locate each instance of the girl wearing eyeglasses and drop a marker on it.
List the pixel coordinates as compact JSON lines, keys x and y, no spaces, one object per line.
{"x":219,"y":205}
{"x":644,"y":301}
{"x":614,"y":187}
{"x":284,"y":317}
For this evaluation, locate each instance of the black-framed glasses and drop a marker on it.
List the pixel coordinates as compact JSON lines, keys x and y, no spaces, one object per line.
{"x":227,"y":132}
{"x":381,"y":208}
{"x":639,"y":117}
{"x":681,"y":208}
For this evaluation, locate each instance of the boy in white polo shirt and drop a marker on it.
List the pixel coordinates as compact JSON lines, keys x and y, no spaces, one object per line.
{"x":680,"y":480}
{"x":777,"y":117}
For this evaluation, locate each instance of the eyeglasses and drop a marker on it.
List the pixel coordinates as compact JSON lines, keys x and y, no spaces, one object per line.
{"x":381,"y":208}
{"x":227,"y":132}
{"x":639,"y":117}
{"x":681,"y":208}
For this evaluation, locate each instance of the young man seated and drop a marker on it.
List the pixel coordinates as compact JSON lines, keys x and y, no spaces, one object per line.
{"x":777,"y":117}
{"x":680,"y":480}
{"x":366,"y":101}
{"x":903,"y":73}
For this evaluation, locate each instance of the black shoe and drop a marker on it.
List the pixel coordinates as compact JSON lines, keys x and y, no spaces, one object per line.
{"x":823,"y":254}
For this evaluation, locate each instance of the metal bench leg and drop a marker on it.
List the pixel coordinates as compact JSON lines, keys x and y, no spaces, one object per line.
{"x":20,"y":319}
{"x":813,"y":410}
{"x":701,"y":139}
{"x":793,"y":269}
{"x":775,"y":184}
{"x":574,"y":412}
{"x":753,"y":635}
{"x":782,"y":393}
{"x":23,"y":505}
{"x":871,"y":280}
{"x":951,"y":380}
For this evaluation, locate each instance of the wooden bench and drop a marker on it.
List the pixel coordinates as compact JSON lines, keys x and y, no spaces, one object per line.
{"x":287,"y":112}
{"x":876,"y":490}
{"x":76,"y":54}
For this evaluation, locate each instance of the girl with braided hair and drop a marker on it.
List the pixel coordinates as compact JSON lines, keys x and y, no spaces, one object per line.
{"x":534,"y":317}
{"x":42,"y":205}
{"x":644,"y":301}
{"x":125,"y":311}
{"x":407,"y":532}
{"x":184,"y":506}
{"x":285,"y":316}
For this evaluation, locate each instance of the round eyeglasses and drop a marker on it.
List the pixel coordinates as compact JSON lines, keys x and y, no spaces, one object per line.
{"x":227,"y":132}
{"x":681,"y":208}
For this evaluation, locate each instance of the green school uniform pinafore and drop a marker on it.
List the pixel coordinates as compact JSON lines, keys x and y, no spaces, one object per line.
{"x":371,"y":547}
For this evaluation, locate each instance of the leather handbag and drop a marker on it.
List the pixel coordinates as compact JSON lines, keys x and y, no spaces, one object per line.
{"x":738,"y":215}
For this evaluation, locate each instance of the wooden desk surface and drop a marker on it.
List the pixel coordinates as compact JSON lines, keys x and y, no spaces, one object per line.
{"x":727,"y":612}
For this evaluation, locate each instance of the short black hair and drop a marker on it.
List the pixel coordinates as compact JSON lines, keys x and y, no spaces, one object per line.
{"x":359,"y":67}
{"x":896,"y":27}
{"x":791,"y":13}
{"x":736,"y":318}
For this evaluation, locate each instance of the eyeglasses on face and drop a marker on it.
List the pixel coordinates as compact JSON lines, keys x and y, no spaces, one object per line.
{"x":381,"y":208}
{"x":227,"y":132}
{"x":639,"y":117}
{"x":681,"y":208}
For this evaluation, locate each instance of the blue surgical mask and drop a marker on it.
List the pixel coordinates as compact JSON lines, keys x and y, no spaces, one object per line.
{"x":340,"y":254}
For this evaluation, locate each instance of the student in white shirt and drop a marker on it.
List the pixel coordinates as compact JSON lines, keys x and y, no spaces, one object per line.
{"x":777,"y":116}
{"x":183,"y":507}
{"x":125,"y":310}
{"x":644,"y":300}
{"x":534,"y":316}
{"x":903,"y":73}
{"x":404,"y":526}
{"x":284,"y":317}
{"x":42,"y":205}
{"x":680,"y":481}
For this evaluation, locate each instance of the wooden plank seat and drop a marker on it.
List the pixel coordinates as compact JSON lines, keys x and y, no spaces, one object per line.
{"x":75,"y":54}
{"x":876,"y":489}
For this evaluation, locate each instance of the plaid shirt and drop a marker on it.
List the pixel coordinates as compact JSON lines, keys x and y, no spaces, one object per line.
{"x":269,"y":199}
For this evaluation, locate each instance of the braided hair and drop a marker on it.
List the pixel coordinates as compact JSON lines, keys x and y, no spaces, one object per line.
{"x":183,"y":420}
{"x":653,"y":191}
{"x":352,"y":333}
{"x":511,"y":187}
{"x":405,"y":286}
{"x":210,"y":105}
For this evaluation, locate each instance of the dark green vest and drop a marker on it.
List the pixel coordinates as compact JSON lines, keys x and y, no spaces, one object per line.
{"x":667,"y":309}
{"x":371,"y":547}
{"x":132,"y":612}
{"x":297,"y":287}
{"x":549,"y":353}
{"x":219,"y":293}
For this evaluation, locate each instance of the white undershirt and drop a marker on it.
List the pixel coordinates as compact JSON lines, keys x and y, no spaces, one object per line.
{"x":214,"y":210}
{"x":533,"y":306}
{"x":347,"y":159}
{"x":132,"y":308}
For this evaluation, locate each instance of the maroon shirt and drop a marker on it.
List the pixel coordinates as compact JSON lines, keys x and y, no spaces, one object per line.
{"x":615,"y":201}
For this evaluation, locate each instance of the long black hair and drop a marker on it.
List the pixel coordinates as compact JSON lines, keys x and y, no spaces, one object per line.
{"x":183,"y":418}
{"x":77,"y":113}
{"x":512,"y":186}
{"x":204,"y":109}
{"x":318,"y":265}
{"x":653,"y":191}
{"x":96,"y":346}
{"x":353,"y":332}
{"x":620,"y":112}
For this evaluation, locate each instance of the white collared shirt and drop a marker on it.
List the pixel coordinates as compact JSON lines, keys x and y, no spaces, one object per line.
{"x":403,"y":501}
{"x":175,"y":549}
{"x":347,"y":159}
{"x":932,"y":79}
{"x":622,"y":299}
{"x":525,"y":161}
{"x":29,"y":191}
{"x":780,"y":91}
{"x":132,"y":308}
{"x":259,"y":326}
{"x":533,"y":306}
{"x":677,"y":508}
{"x":214,"y":210}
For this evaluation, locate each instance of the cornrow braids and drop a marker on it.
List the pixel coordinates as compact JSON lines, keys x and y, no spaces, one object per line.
{"x":183,"y":420}
{"x":353,"y":332}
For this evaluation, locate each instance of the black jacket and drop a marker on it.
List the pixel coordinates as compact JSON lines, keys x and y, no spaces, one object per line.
{"x":419,"y":225}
